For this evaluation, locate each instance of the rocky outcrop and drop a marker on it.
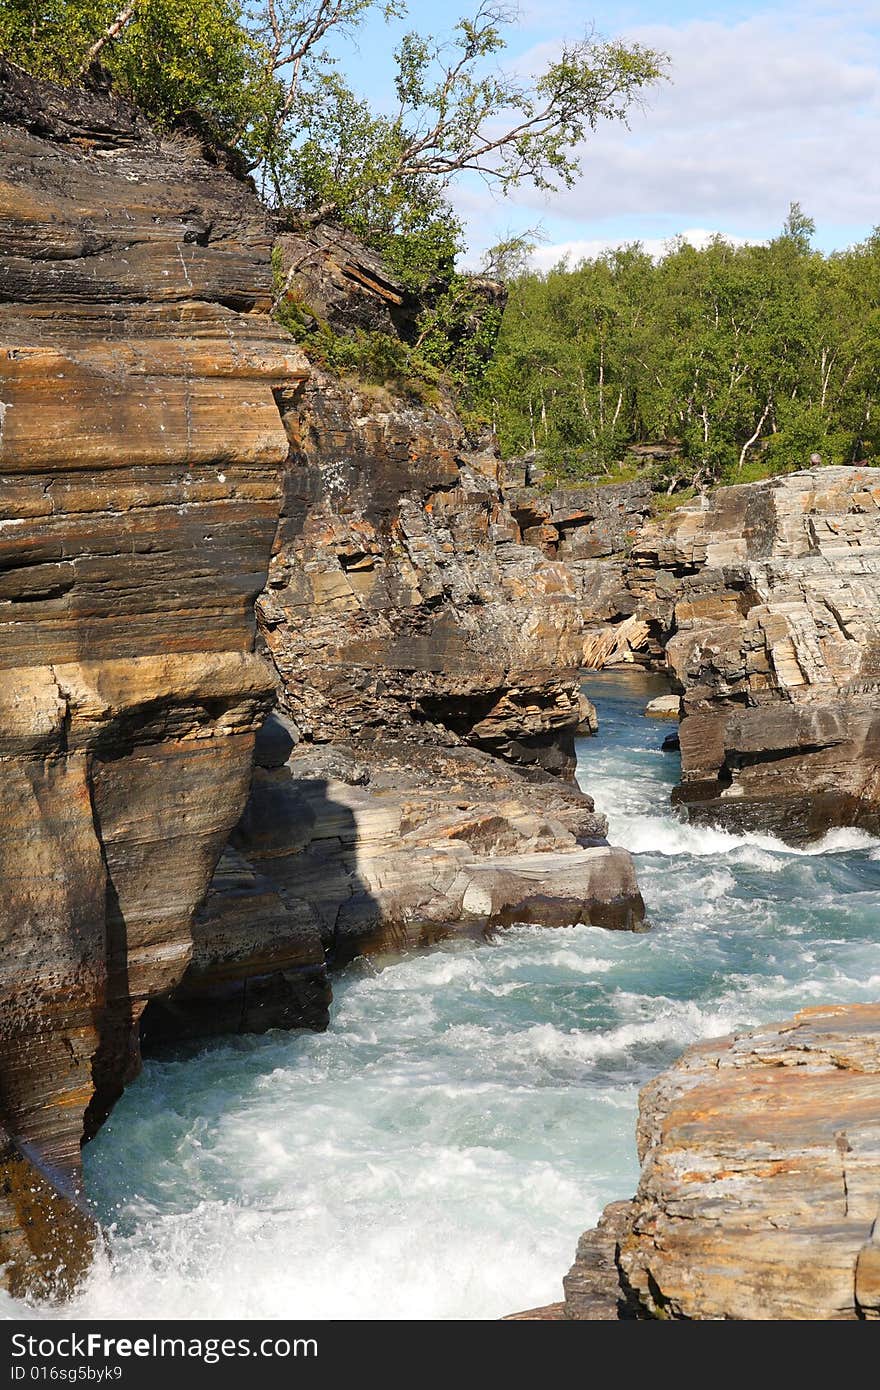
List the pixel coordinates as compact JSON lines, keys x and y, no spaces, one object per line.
{"x":153,"y":424}
{"x":760,"y":1182}
{"x":760,"y":1177}
{"x":402,"y":847}
{"x":140,"y":453}
{"x":329,"y":277}
{"x":581,"y":523}
{"x":399,"y":596}
{"x":768,"y":596}
{"x":428,"y":661}
{"x":592,"y":1288}
{"x":758,"y":1196}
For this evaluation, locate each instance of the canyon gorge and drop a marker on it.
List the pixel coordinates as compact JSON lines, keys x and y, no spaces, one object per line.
{"x":290,"y":674}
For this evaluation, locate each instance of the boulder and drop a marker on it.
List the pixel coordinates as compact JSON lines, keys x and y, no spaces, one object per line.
{"x":663,"y":707}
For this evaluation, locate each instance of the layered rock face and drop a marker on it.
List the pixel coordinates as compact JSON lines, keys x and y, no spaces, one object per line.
{"x":400,"y":594}
{"x":580,"y":523}
{"x":428,"y":668}
{"x":410,"y":624}
{"x":759,"y":1190}
{"x":333,"y":278}
{"x":769,"y":595}
{"x":140,"y":453}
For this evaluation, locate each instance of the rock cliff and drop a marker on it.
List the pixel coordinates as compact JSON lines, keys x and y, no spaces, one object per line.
{"x":427,"y":658}
{"x":140,"y":454}
{"x":400,"y":594}
{"x":767,"y":599}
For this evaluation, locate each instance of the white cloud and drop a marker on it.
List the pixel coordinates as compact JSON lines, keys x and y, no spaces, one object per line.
{"x":779,"y":107}
{"x":544,"y":257}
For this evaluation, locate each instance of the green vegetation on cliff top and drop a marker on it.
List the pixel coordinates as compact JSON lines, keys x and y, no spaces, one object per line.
{"x":745,"y":360}
{"x":263,"y":78}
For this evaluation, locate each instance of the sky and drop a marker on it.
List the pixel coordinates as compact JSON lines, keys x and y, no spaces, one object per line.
{"x":767,"y":104}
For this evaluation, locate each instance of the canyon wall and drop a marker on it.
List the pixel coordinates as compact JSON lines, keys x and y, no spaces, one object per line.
{"x":156,"y":880}
{"x":140,"y":457}
{"x":195,"y":528}
{"x":767,"y":597}
{"x":428,"y":658}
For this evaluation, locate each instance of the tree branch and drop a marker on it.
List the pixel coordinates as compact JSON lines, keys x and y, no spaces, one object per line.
{"x":120,"y":22}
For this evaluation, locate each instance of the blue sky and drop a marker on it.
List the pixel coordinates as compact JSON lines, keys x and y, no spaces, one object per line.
{"x":767,"y":104}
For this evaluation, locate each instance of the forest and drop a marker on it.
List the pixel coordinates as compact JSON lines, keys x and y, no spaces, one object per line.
{"x":744,"y":361}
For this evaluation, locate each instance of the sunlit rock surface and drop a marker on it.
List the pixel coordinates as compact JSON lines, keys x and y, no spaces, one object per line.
{"x":769,"y":595}
{"x":761,"y":1174}
{"x":140,"y":453}
{"x":758,"y":1196}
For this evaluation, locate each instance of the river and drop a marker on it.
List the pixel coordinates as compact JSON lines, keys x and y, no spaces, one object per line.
{"x":438,"y":1151}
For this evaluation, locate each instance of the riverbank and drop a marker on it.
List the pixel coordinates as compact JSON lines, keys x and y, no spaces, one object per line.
{"x":472,"y":1108}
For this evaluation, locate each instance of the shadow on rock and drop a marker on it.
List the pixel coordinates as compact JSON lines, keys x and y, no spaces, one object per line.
{"x":286,"y":887}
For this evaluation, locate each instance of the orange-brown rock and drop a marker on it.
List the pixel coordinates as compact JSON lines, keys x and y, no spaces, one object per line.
{"x":140,"y":454}
{"x":429,"y":662}
{"x":760,"y":1188}
{"x":761,"y":1175}
{"x":47,"y":1235}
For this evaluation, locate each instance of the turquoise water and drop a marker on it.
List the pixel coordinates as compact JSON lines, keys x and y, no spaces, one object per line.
{"x":472,"y":1108}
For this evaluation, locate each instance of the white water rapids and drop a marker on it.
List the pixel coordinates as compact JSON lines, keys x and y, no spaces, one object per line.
{"x":438,"y":1151}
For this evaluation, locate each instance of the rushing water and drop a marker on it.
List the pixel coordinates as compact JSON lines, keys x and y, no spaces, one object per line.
{"x":471,"y":1109}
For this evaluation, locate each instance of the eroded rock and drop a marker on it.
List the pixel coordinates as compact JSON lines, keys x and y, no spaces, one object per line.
{"x":758,"y":1196}
{"x":769,"y":594}
{"x":140,"y":455}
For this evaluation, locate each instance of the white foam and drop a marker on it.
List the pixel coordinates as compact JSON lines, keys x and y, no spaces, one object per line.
{"x":664,"y":834}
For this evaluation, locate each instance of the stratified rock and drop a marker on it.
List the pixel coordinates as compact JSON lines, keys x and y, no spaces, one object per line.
{"x":758,"y":1196}
{"x":341,"y":854}
{"x":581,"y":523}
{"x":551,"y":1312}
{"x":47,"y":1236}
{"x":333,"y":278}
{"x":258,"y":962}
{"x":410,"y":625}
{"x":761,"y":1174}
{"x":140,"y":446}
{"x":770,"y":597}
{"x":593,"y":1292}
{"x":401,"y":600}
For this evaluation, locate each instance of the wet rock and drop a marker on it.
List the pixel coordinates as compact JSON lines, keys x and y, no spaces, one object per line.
{"x":47,"y":1236}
